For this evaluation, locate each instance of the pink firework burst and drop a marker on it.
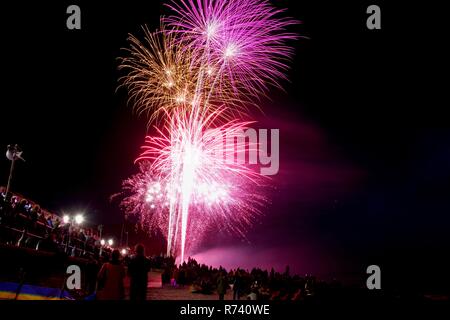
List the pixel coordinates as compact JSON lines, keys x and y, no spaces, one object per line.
{"x":191,"y":180}
{"x":215,"y":56}
{"x":241,"y":43}
{"x":144,"y":199}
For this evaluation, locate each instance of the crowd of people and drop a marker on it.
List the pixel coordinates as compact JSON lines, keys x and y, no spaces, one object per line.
{"x":23,"y":223}
{"x":256,"y":284}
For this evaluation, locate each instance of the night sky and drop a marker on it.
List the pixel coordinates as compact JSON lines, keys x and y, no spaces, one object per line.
{"x":365,"y":141}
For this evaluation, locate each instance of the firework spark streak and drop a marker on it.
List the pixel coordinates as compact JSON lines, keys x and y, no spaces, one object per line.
{"x":163,"y":77}
{"x":190,"y":179}
{"x":195,"y":78}
{"x":243,"y":41}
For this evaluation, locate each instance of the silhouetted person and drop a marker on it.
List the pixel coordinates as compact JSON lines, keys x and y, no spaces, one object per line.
{"x":110,"y":279}
{"x":91,"y":274}
{"x":181,"y":277}
{"x":138,"y":269}
{"x":222,"y":285}
{"x":237,"y":286}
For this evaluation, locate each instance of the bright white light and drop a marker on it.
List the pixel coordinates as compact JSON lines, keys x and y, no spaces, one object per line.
{"x":124,"y":252}
{"x":211,"y":193}
{"x":110,"y":242}
{"x":211,"y":29}
{"x":102,"y":242}
{"x":180,"y":99}
{"x":79,"y":219}
{"x":230,"y":51}
{"x":66,"y":219}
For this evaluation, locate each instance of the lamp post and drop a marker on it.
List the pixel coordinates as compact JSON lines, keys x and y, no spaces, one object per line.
{"x":100,"y":230}
{"x":13,"y":152}
{"x":78,"y":219}
{"x":66,"y":219}
{"x":123,"y":231}
{"x":102,"y":243}
{"x":121,"y":234}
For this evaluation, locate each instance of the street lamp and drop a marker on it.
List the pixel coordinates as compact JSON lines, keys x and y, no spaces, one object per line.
{"x":13,"y":152}
{"x":110,"y":242}
{"x":66,"y":219}
{"x":100,"y":229}
{"x":124,"y":252}
{"x":102,"y":244}
{"x":79,"y":219}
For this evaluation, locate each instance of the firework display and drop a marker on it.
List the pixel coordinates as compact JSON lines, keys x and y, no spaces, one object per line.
{"x":243,"y":42}
{"x":194,"y":79}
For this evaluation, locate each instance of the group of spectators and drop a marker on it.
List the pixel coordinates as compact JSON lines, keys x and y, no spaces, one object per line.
{"x":25,"y":224}
{"x":110,"y":279}
{"x":256,"y":284}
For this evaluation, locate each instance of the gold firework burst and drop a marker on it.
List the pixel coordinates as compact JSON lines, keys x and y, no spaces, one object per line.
{"x":162,"y":76}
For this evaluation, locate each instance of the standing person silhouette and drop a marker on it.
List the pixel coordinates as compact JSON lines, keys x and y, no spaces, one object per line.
{"x":110,"y":279}
{"x":222,"y":285}
{"x":138,"y":269}
{"x":237,"y":286}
